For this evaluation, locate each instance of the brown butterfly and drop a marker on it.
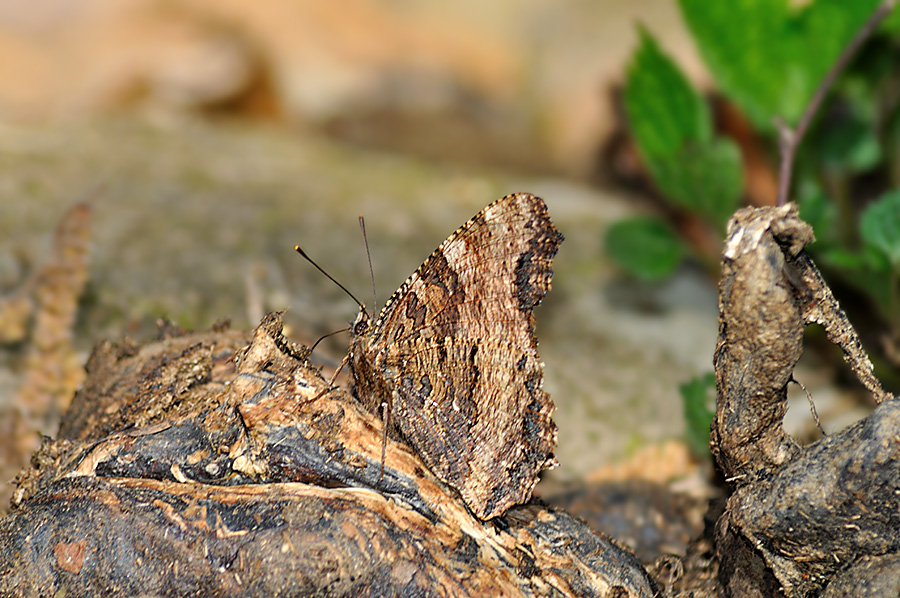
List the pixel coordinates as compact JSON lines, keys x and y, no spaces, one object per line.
{"x":451,"y":363}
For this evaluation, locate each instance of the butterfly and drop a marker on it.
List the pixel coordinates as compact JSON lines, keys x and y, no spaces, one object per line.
{"x":451,"y":363}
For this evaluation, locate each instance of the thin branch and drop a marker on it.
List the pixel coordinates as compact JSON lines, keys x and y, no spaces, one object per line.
{"x":789,"y":138}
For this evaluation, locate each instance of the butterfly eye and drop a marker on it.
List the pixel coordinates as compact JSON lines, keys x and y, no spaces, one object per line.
{"x":360,"y":327}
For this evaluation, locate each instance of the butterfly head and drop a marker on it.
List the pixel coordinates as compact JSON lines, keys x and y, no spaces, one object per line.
{"x":361,"y":325}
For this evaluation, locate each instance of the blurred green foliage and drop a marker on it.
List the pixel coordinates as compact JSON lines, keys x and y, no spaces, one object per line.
{"x":768,"y":57}
{"x":698,"y":396}
{"x":673,"y":129}
{"x":647,"y":244}
{"x":873,"y":266}
{"x":697,"y":171}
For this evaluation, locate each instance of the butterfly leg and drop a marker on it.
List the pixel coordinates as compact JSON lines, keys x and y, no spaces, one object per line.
{"x":386,"y":419}
{"x":331,"y":380}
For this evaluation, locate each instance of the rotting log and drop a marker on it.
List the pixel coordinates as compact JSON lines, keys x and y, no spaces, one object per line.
{"x":203,"y":465}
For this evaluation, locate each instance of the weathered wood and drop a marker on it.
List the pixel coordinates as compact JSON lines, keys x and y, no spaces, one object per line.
{"x":197,"y":466}
{"x":760,"y":341}
{"x":808,"y":519}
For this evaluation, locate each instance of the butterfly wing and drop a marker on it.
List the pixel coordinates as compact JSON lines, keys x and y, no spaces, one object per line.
{"x":477,"y":415}
{"x":476,"y":292}
{"x":482,"y":282}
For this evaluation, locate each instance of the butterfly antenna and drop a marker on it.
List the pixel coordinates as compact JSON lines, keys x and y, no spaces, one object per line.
{"x":329,"y":277}
{"x":324,"y":336}
{"x":362,"y":226}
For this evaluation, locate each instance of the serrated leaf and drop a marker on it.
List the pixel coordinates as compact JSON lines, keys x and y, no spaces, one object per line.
{"x":769,"y":58}
{"x":698,"y":400}
{"x":673,"y":130}
{"x":879,"y":227}
{"x":664,"y":111}
{"x":645,"y":247}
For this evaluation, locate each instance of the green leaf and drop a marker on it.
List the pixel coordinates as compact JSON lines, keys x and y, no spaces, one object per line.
{"x":742,"y":43}
{"x":769,"y":58}
{"x":879,"y":227}
{"x":707,"y":179}
{"x":664,"y":111}
{"x":673,"y":130}
{"x":698,"y":398}
{"x":645,"y":247}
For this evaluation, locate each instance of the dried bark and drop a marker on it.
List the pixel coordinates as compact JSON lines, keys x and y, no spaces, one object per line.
{"x":805,"y":521}
{"x":200,"y":465}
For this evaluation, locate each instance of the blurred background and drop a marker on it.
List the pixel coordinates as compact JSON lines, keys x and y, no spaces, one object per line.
{"x":207,"y":137}
{"x":522,"y":85}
